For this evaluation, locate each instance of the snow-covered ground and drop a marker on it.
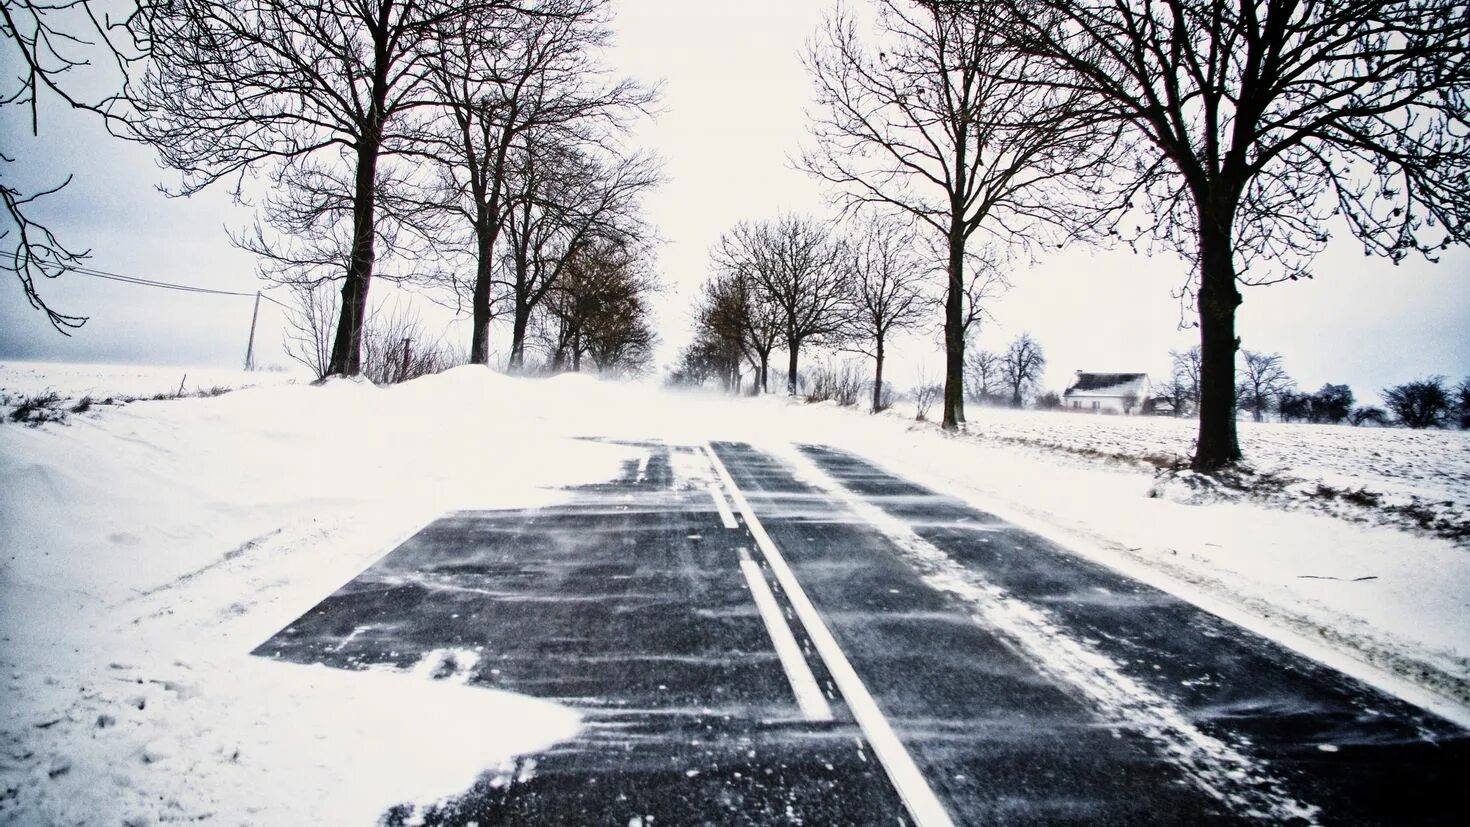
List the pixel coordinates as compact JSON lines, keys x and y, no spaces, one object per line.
{"x":1413,"y":479}
{"x":146,"y":549}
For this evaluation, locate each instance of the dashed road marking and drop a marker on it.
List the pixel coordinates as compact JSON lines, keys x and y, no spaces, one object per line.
{"x":803,"y":683}
{"x":726,"y":516}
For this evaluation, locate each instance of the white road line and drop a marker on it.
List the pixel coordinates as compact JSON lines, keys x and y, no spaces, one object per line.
{"x":803,"y":683}
{"x":726,"y":516}
{"x":1217,"y":767}
{"x":918,"y":797}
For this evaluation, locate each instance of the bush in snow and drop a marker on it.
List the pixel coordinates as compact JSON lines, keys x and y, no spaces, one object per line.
{"x":843,"y":384}
{"x":1370,"y":415}
{"x":1048,"y":401}
{"x":39,"y":408}
{"x":924,"y":398}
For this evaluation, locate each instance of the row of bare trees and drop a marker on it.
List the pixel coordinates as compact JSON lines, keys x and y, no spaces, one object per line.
{"x":791,"y":282}
{"x":1237,"y":134}
{"x":471,"y":147}
{"x":474,"y":145}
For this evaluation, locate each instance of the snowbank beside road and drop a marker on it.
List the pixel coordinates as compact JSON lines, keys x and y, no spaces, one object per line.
{"x":146,"y":549}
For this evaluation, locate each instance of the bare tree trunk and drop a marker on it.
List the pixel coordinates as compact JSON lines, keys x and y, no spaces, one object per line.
{"x":954,"y":334}
{"x":878,"y":377}
{"x":765,"y":364}
{"x":480,"y":312}
{"x":1218,"y":297}
{"x":794,"y":348}
{"x":347,"y":347}
{"x":518,"y":336}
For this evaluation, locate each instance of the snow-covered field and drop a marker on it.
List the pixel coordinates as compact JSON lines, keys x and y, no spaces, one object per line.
{"x":1417,"y":479}
{"x":146,"y":549}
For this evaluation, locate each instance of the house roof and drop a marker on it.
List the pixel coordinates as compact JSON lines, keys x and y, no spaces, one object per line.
{"x":1108,"y":384}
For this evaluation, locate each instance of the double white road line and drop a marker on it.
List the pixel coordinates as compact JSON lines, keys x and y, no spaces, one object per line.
{"x":918,"y":797}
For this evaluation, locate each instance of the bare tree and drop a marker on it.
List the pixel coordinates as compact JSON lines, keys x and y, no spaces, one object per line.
{"x":923,"y":119}
{"x":1185,"y":377}
{"x":536,"y":78}
{"x":564,"y":200}
{"x":1262,"y":380}
{"x":58,"y":48}
{"x":599,"y":309}
{"x":798,"y":268}
{"x":1021,"y":367}
{"x":886,"y":297}
{"x":739,"y":310}
{"x":718,"y":346}
{"x":1262,"y":123}
{"x":1423,"y":403}
{"x":308,"y":336}
{"x":983,"y":373}
{"x":317,"y":93}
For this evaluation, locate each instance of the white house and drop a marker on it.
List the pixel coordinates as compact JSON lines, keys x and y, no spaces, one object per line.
{"x":1120,"y":393}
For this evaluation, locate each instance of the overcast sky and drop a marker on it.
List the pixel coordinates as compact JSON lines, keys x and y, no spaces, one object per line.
{"x":732,"y":118}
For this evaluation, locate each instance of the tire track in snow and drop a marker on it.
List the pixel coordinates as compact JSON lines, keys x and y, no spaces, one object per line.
{"x":1215,"y":767}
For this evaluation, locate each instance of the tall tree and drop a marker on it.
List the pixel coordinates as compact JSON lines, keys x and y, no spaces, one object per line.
{"x":599,"y":309}
{"x":738,"y":310}
{"x":1262,"y":381}
{"x":534,"y":77}
{"x":924,"y":119}
{"x":316,"y":92}
{"x":983,"y":369}
{"x":1021,"y":367}
{"x":886,"y":297}
{"x":1185,"y":377}
{"x":799,"y":268}
{"x":1260,"y":126}
{"x":562,"y":200}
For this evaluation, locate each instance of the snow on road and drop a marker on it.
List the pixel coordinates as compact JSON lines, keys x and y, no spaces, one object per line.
{"x":145,"y":548}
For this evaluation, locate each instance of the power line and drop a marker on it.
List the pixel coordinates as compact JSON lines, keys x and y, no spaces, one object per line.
{"x":185,"y":288}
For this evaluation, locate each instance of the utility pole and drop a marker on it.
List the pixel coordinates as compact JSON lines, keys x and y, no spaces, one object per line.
{"x":250,"y":348}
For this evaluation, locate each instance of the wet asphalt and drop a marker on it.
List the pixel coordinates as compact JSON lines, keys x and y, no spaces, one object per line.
{"x":628,"y":603}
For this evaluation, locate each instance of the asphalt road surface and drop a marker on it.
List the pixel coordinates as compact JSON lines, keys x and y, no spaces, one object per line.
{"x":813,"y":640}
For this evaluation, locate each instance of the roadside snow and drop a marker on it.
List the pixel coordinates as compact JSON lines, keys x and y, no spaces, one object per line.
{"x":1389,"y":476}
{"x":146,"y":549}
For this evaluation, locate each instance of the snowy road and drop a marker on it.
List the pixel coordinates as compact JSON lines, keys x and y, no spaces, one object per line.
{"x":803,"y":637}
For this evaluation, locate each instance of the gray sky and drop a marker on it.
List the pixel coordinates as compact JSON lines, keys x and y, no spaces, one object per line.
{"x":732,"y":118}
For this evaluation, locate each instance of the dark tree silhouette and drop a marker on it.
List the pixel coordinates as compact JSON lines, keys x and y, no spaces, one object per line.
{"x":599,"y":310}
{"x":1462,"y":404}
{"x":58,"y":49}
{"x":722,"y":321}
{"x":738,"y":310}
{"x":1332,"y":403}
{"x":1185,"y":377}
{"x":923,"y":119}
{"x":319,"y":94}
{"x":982,"y":374}
{"x":886,"y":297}
{"x":1021,"y":367}
{"x":799,"y":269}
{"x":1262,"y":381}
{"x":1423,"y":403}
{"x":1260,"y":126}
